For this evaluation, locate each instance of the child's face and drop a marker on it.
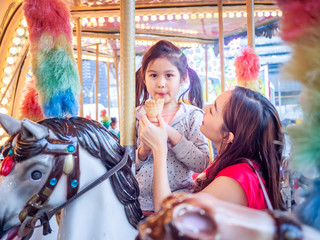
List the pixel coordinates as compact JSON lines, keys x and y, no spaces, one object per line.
{"x":163,"y":80}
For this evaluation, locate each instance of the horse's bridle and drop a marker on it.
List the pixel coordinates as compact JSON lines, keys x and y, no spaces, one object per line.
{"x":62,"y":151}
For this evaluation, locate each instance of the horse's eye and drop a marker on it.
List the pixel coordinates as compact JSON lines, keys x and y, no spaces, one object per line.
{"x":36,"y":175}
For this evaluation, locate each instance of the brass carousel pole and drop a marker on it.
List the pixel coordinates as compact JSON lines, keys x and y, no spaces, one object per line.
{"x":127,"y":79}
{"x":97,"y":81}
{"x":108,"y":76}
{"x":115,"y":64}
{"x":250,"y":23}
{"x":79,"y":58}
{"x":221,"y":45}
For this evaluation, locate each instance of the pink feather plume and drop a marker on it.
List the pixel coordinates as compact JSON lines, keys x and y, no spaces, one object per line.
{"x":47,"y":16}
{"x":247,"y":65}
{"x":298,"y":16}
{"x":30,"y":107}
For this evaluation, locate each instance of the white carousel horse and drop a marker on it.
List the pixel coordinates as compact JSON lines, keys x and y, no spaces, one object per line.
{"x":201,"y":216}
{"x":48,"y":162}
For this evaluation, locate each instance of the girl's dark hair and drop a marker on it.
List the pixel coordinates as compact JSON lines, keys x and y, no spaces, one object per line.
{"x":165,"y":49}
{"x":256,"y":126}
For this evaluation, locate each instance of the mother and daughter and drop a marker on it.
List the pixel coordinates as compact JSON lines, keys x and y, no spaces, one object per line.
{"x":242,"y":124}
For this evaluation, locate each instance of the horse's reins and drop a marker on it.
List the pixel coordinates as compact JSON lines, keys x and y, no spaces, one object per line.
{"x":27,"y":226}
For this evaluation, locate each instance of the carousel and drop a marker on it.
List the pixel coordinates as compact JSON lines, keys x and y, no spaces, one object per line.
{"x":64,"y":58}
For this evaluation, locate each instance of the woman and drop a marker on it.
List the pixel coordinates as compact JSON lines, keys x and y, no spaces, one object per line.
{"x":246,"y":129}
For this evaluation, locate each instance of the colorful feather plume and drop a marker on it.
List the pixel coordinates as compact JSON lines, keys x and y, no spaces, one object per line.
{"x":53,"y":64}
{"x":30,"y":107}
{"x":300,"y":27}
{"x":299,"y":18}
{"x":106,"y":120}
{"x":247,"y":69}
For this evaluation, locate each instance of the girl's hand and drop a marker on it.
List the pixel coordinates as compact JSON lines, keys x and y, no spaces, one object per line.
{"x":173,"y":135}
{"x":152,"y":136}
{"x":144,"y":152}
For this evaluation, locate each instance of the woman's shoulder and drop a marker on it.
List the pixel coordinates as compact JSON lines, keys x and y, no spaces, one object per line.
{"x":237,"y":169}
{"x":247,"y":178}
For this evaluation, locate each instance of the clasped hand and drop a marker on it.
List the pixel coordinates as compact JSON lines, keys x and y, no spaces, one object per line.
{"x":153,"y":134}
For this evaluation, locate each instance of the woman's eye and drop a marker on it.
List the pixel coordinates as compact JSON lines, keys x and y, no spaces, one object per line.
{"x":36,"y":175}
{"x":169,"y":75}
{"x":153,"y":75}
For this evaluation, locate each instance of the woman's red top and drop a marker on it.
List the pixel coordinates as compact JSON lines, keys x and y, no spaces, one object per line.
{"x":249,"y":181}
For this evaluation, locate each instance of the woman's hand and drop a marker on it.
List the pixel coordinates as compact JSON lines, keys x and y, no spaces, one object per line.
{"x":152,"y":136}
{"x":156,"y":138}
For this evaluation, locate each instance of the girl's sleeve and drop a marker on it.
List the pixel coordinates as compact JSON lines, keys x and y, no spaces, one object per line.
{"x":193,"y":148}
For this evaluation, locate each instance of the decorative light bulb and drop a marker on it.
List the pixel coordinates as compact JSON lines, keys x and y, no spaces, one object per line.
{"x":101,"y":20}
{"x":4,"y":101}
{"x":162,"y":18}
{"x":20,"y":31}
{"x":16,"y":41}
{"x":6,"y":80}
{"x":145,"y":18}
{"x":8,"y":70}
{"x":3,"y":110}
{"x":24,"y":22}
{"x":177,"y":16}
{"x":10,"y":60}
{"x":170,"y":17}
{"x":185,"y":16}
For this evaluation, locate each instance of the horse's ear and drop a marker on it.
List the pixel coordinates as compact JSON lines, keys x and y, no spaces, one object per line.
{"x":33,"y":131}
{"x":9,"y":124}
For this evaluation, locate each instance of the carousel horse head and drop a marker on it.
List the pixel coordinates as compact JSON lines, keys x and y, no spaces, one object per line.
{"x":58,"y":163}
{"x":201,"y":216}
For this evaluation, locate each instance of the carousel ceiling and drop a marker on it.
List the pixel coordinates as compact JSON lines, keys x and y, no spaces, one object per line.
{"x":186,"y":23}
{"x":181,"y":19}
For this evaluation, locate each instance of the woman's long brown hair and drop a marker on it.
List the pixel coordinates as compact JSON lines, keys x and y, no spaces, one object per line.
{"x":256,"y":126}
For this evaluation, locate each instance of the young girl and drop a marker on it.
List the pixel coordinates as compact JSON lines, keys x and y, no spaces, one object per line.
{"x":246,"y":129}
{"x":164,"y":69}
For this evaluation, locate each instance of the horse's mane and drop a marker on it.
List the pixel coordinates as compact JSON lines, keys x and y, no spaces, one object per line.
{"x":100,"y":143}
